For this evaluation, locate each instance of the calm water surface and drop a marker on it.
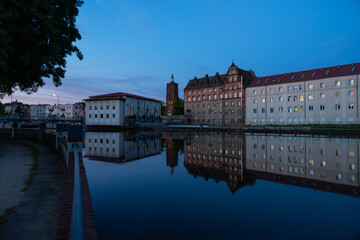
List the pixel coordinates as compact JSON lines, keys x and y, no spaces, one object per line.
{"x":223,"y":186}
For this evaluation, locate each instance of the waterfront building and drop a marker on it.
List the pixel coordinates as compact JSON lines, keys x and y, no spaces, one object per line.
{"x":120,"y":109}
{"x":66,"y":111}
{"x":172,"y":93}
{"x":317,"y":96}
{"x":38,"y":111}
{"x":328,"y":164}
{"x":219,"y":99}
{"x":120,"y":147}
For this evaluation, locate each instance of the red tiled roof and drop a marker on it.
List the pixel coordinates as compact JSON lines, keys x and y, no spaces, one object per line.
{"x":118,"y":95}
{"x":321,"y":73}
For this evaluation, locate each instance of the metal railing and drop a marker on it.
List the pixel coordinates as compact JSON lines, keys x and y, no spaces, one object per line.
{"x":76,"y":231}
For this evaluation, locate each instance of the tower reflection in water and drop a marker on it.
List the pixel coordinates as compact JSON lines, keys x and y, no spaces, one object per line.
{"x":327,"y":164}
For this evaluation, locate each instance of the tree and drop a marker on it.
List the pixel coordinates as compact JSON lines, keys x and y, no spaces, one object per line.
{"x":35,"y":38}
{"x":178,"y":107}
{"x":163,"y":108}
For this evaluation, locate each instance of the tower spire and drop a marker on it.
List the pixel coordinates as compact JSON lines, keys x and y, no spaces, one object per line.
{"x":172,"y":77}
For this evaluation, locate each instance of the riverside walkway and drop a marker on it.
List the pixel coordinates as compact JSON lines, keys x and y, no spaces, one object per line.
{"x":37,"y":210}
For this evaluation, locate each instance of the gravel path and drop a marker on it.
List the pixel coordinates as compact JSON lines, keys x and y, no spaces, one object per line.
{"x":15,"y":163}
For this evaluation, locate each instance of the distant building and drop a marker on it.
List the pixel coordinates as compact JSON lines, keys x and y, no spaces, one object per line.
{"x":219,"y":99}
{"x":38,"y":111}
{"x":121,"y":109}
{"x":66,"y":111}
{"x":172,"y":93}
{"x":317,"y":96}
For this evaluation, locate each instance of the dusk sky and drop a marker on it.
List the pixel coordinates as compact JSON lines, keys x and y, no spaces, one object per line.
{"x":135,"y":46}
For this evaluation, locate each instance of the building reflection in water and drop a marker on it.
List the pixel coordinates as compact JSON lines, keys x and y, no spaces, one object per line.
{"x":329,"y":164}
{"x":121,"y":146}
{"x":218,"y":156}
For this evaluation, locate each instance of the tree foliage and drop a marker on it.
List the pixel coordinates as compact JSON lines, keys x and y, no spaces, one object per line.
{"x":35,"y":38}
{"x":178,"y":107}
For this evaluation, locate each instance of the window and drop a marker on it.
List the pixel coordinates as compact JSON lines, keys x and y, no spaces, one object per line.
{"x":271,"y":110}
{"x":271,"y":99}
{"x":351,"y":154}
{"x":311,"y":86}
{"x":255,"y":110}
{"x":322,"y":95}
{"x":337,"y":94}
{"x":295,"y":88}
{"x":281,"y":99}
{"x":351,"y":93}
{"x":89,"y":107}
{"x":300,"y":88}
{"x":301,"y":108}
{"x":311,"y":162}
{"x":281,"y":109}
{"x":263,"y":100}
{"x":337,"y":83}
{"x":254,"y":92}
{"x":311,"y":108}
{"x":280,"y":89}
{"x":289,"y":98}
{"x":351,"y":82}
{"x":322,"y":85}
{"x":295,"y":109}
{"x":295,"y":98}
{"x":301,"y":98}
{"x":263,"y":110}
{"x":351,"y":106}
{"x":311,"y":97}
{"x":288,"y":89}
{"x":322,"y":107}
{"x":255,"y":100}
{"x":337,"y":106}
{"x":89,"y":115}
{"x":289,"y":109}
{"x":262,"y":91}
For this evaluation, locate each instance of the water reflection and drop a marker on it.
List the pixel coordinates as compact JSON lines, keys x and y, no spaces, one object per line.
{"x":121,"y":147}
{"x":222,"y":185}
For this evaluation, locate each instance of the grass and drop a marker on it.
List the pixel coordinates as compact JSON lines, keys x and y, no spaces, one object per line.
{"x":5,"y":217}
{"x":34,"y":166}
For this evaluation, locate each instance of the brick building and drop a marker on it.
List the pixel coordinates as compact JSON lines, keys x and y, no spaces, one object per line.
{"x":172,"y":93}
{"x":219,"y":99}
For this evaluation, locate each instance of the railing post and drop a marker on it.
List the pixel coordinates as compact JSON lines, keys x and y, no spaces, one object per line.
{"x":60,"y":129}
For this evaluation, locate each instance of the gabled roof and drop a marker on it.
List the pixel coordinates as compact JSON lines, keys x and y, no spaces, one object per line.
{"x":314,"y":74}
{"x":117,"y":96}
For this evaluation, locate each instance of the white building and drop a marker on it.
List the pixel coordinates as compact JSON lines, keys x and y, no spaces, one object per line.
{"x":318,"y":96}
{"x":38,"y":111}
{"x":120,"y":109}
{"x":66,"y":111}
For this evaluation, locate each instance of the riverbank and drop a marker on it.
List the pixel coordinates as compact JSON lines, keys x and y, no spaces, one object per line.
{"x":37,"y":212}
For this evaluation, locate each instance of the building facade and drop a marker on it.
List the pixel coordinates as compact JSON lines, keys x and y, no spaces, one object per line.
{"x":318,"y":96}
{"x":66,"y":111}
{"x":120,"y":109}
{"x":219,"y":99}
{"x":38,"y":111}
{"x":172,"y":93}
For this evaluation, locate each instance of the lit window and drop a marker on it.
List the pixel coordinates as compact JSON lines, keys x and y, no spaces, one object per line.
{"x":351,"y":106}
{"x":281,"y":99}
{"x":311,"y":162}
{"x":351,"y":82}
{"x":337,"y":83}
{"x":311,"y":97}
{"x":295,"y":109}
{"x":351,"y":154}
{"x":301,"y":109}
{"x":351,"y":93}
{"x":351,"y":166}
{"x":338,"y":176}
{"x":337,"y":94}
{"x":301,"y":98}
{"x":263,"y":100}
{"x":271,"y":99}
{"x":322,"y":95}
{"x":311,"y":86}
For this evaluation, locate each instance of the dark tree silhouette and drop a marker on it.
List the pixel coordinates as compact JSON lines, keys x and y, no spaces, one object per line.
{"x":35,"y":38}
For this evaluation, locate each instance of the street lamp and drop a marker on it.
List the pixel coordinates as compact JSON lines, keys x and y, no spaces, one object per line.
{"x":58,"y":107}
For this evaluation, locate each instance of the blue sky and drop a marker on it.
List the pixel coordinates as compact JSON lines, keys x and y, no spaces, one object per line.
{"x":134,"y":46}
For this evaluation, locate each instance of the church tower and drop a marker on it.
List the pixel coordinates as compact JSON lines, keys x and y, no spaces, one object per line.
{"x":172,"y":93}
